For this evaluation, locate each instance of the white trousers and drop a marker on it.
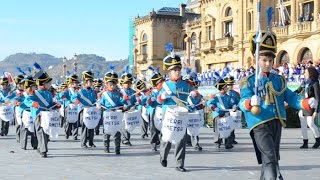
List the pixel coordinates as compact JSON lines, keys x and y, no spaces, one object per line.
{"x":306,"y":121}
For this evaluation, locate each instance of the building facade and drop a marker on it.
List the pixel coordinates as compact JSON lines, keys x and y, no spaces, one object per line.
{"x":214,"y":33}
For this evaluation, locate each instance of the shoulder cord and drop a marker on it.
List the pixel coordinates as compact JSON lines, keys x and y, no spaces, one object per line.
{"x":271,"y":97}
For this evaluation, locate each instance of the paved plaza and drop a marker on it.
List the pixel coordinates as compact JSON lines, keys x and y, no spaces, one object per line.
{"x":67,"y":160}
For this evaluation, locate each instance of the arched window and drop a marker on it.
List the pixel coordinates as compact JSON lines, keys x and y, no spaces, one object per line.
{"x":249,"y":24}
{"x":184,"y":44}
{"x":228,"y":12}
{"x":144,"y":44}
{"x":144,"y":37}
{"x":200,"y":41}
{"x":209,"y":33}
{"x":306,"y":55}
{"x":284,"y":58}
{"x":228,"y":23}
{"x":193,"y":41}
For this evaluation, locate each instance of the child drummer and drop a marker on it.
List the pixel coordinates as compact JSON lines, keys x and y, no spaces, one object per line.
{"x":111,"y":99}
{"x":174,"y":91}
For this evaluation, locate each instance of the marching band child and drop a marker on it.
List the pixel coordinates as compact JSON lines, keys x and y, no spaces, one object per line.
{"x":16,"y":98}
{"x":30,"y":86}
{"x":220,"y":104}
{"x":71,"y":128}
{"x":42,"y":98}
{"x":85,"y":97}
{"x":4,"y":92}
{"x":111,"y":99}
{"x":142,"y":97}
{"x":171,"y":91}
{"x":97,"y":89}
{"x":156,"y":81}
{"x":129,"y":98}
{"x":235,"y":98}
{"x":195,"y":103}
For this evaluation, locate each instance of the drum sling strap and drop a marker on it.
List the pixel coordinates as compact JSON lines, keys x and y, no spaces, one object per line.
{"x":106,"y":95}
{"x":42,"y":99}
{"x":85,"y":98}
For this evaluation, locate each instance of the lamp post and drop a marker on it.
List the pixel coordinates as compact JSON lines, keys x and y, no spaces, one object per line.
{"x":64,"y":67}
{"x":135,"y":51}
{"x":75,"y":63}
{"x":188,"y":42}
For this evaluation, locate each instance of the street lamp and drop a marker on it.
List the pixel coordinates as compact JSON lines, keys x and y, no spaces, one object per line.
{"x":64,"y":67}
{"x":75,"y":63}
{"x":135,"y":51}
{"x":188,"y":42}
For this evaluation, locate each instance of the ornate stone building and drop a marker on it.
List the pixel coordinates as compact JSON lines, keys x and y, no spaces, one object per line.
{"x":213,"y":33}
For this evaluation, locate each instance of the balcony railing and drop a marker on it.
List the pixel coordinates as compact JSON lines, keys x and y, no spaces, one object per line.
{"x":142,"y":58}
{"x":302,"y":27}
{"x":224,"y":44}
{"x":207,"y":45}
{"x":282,"y":31}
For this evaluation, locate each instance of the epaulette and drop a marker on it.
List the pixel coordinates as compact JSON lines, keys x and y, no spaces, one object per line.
{"x":244,"y":81}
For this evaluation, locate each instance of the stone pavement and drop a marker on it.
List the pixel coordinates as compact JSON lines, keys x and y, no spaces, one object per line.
{"x":67,"y":160}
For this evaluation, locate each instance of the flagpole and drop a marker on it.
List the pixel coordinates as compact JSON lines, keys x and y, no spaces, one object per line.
{"x":256,"y":109}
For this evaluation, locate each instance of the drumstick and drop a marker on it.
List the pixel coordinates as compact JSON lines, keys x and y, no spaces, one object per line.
{"x":115,"y":108}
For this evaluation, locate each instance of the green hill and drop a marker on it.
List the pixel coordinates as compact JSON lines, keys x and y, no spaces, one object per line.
{"x":53,"y":65}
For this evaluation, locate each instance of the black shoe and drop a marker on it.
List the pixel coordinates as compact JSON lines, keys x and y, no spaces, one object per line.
{"x":92,"y":145}
{"x":67,"y":136}
{"x":34,"y":148}
{"x":158,"y":143}
{"x":44,"y":154}
{"x":154,"y":149}
{"x":305,"y":144}
{"x":128,"y":143}
{"x":1,"y":134}
{"x":234,"y":142}
{"x":219,"y":141}
{"x":163,"y":162}
{"x":24,"y":148}
{"x":229,"y":147}
{"x":106,"y":150}
{"x":97,"y":133}
{"x":198,"y":147}
{"x":75,"y":138}
{"x":316,"y":144}
{"x":143,"y":136}
{"x":117,"y":152}
{"x":84,"y":146}
{"x":181,"y":169}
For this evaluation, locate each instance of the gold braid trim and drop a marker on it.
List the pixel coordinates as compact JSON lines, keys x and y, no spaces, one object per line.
{"x":271,"y":97}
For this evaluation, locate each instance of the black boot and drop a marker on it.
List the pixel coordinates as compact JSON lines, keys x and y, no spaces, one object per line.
{"x":317,"y":144}
{"x":305,"y":144}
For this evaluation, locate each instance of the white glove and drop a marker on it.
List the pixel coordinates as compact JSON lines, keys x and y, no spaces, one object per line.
{"x":193,"y":94}
{"x":153,"y":99}
{"x":255,"y":100}
{"x":165,"y":95}
{"x":137,"y":103}
{"x":192,"y":105}
{"x":125,"y":106}
{"x":216,"y":109}
{"x":313,"y":103}
{"x":234,"y":107}
{"x":98,"y":105}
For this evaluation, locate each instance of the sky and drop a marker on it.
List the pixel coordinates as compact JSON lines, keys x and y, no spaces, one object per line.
{"x":65,"y":27}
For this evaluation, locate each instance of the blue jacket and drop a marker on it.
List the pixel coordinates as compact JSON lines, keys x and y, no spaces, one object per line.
{"x":227,"y":103}
{"x":180,"y":89}
{"x":88,"y":94}
{"x":132,"y":99}
{"x":115,"y":95}
{"x":151,"y":105}
{"x":30,"y":99}
{"x":268,"y":112}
